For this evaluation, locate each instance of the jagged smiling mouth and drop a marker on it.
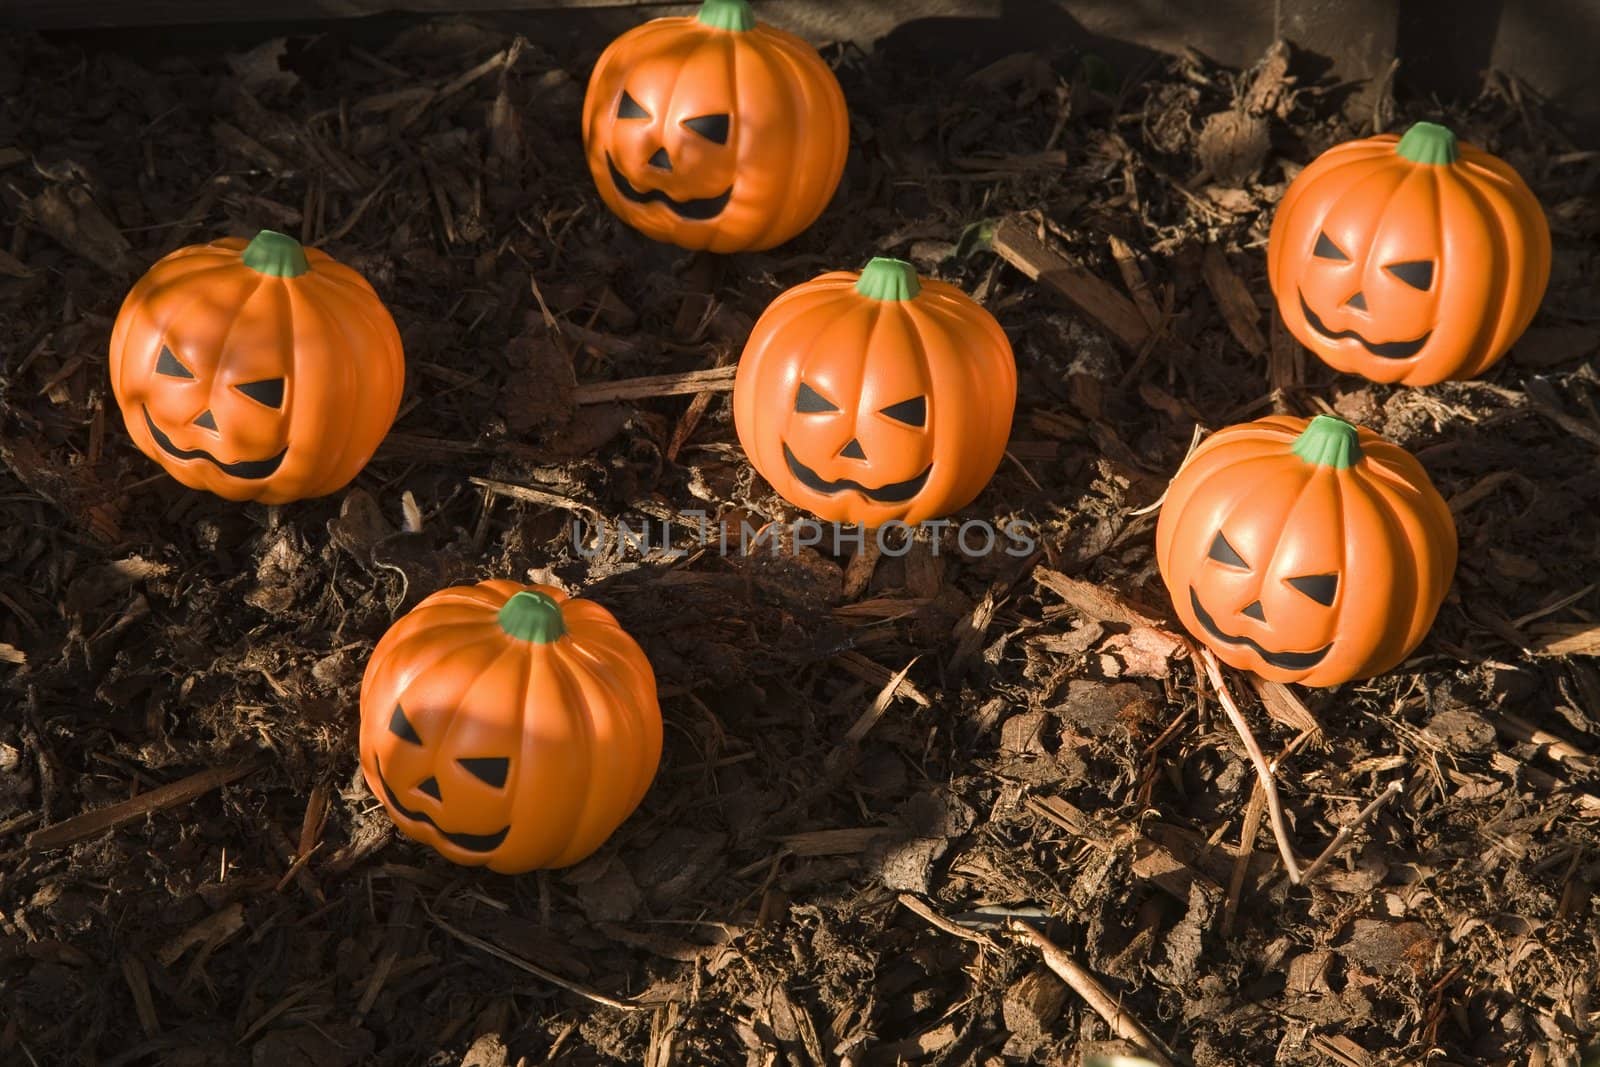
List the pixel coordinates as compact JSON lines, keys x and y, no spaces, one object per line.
{"x":893,"y":493}
{"x":470,"y":842}
{"x":701,"y":210}
{"x":1385,"y":349}
{"x":250,"y":469}
{"x":1288,"y":661}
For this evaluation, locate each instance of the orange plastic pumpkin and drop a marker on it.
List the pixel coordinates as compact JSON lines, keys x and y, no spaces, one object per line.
{"x":875,"y":397}
{"x":1410,"y":259}
{"x":1307,"y":552}
{"x":509,"y":727}
{"x":715,"y":132}
{"x":259,"y":370}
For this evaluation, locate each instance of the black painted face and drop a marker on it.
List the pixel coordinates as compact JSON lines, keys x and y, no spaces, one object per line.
{"x":711,"y":130}
{"x":268,"y":393}
{"x":912,"y":413}
{"x":490,"y":770}
{"x":1415,"y":274}
{"x":1320,"y":588}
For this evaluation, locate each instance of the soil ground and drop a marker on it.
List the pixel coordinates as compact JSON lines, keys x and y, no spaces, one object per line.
{"x":874,"y":763}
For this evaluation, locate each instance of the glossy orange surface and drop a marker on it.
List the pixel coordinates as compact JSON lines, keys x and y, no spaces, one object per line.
{"x":876,"y":396}
{"x":512,"y":750}
{"x":255,"y":385}
{"x":1305,"y":551}
{"x":1409,"y":270}
{"x":709,"y":136}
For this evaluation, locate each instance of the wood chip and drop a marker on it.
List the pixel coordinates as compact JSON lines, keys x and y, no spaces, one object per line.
{"x":1096,"y":602}
{"x":1134,"y":281}
{"x":880,"y":704}
{"x":206,"y":934}
{"x":877,"y":674}
{"x":1284,"y":706}
{"x":1018,"y":244}
{"x":1233,"y":299}
{"x":144,"y":1006}
{"x":844,"y":841}
{"x":711,"y":380}
{"x":1568,"y":639}
{"x":111,"y":816}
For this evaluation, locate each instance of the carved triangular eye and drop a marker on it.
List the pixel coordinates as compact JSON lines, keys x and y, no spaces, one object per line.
{"x":1319,"y":587}
{"x":810,"y":402}
{"x":629,"y":108}
{"x":711,"y":127}
{"x":1326,"y":249}
{"x":1417,"y":273}
{"x":490,"y":770}
{"x":401,"y":726}
{"x":168,"y":364}
{"x":1223,"y":552}
{"x":269,"y":391}
{"x":913,"y":412}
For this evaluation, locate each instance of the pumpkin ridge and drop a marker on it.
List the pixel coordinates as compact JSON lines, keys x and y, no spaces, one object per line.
{"x":812,"y":82}
{"x":339,"y":304}
{"x":1407,"y":590}
{"x":1522,"y":234}
{"x":573,"y":699}
{"x":784,"y":75}
{"x":601,"y":663}
{"x":227,"y":332}
{"x":1334,"y":480}
{"x":1485,"y":211}
{"x":300,"y":307}
{"x":1382,"y":183}
{"x":336,"y":307}
{"x":160,"y":324}
{"x":494,"y":657}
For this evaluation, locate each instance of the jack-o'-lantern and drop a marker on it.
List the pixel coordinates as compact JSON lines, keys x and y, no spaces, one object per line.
{"x":875,"y":397}
{"x":1410,"y":259}
{"x":509,"y":727}
{"x":1305,"y":551}
{"x":258,"y":370}
{"x":715,"y":131}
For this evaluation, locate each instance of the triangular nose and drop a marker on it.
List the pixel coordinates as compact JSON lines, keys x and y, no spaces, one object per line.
{"x":1253,"y":610}
{"x":853,"y":450}
{"x":660,"y":160}
{"x":1359,"y":302}
{"x":430,"y":786}
{"x":207,"y":420}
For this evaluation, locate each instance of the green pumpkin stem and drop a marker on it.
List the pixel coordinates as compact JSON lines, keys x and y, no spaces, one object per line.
{"x":1329,"y":442}
{"x":731,"y":15}
{"x":1429,"y":142}
{"x":276,"y":254}
{"x":531,"y":616}
{"x":888,"y":279}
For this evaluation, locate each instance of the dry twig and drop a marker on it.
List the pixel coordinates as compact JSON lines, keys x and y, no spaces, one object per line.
{"x":532,"y":968}
{"x":1269,"y":784}
{"x":111,"y":816}
{"x":713,"y":379}
{"x":1096,"y":996}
